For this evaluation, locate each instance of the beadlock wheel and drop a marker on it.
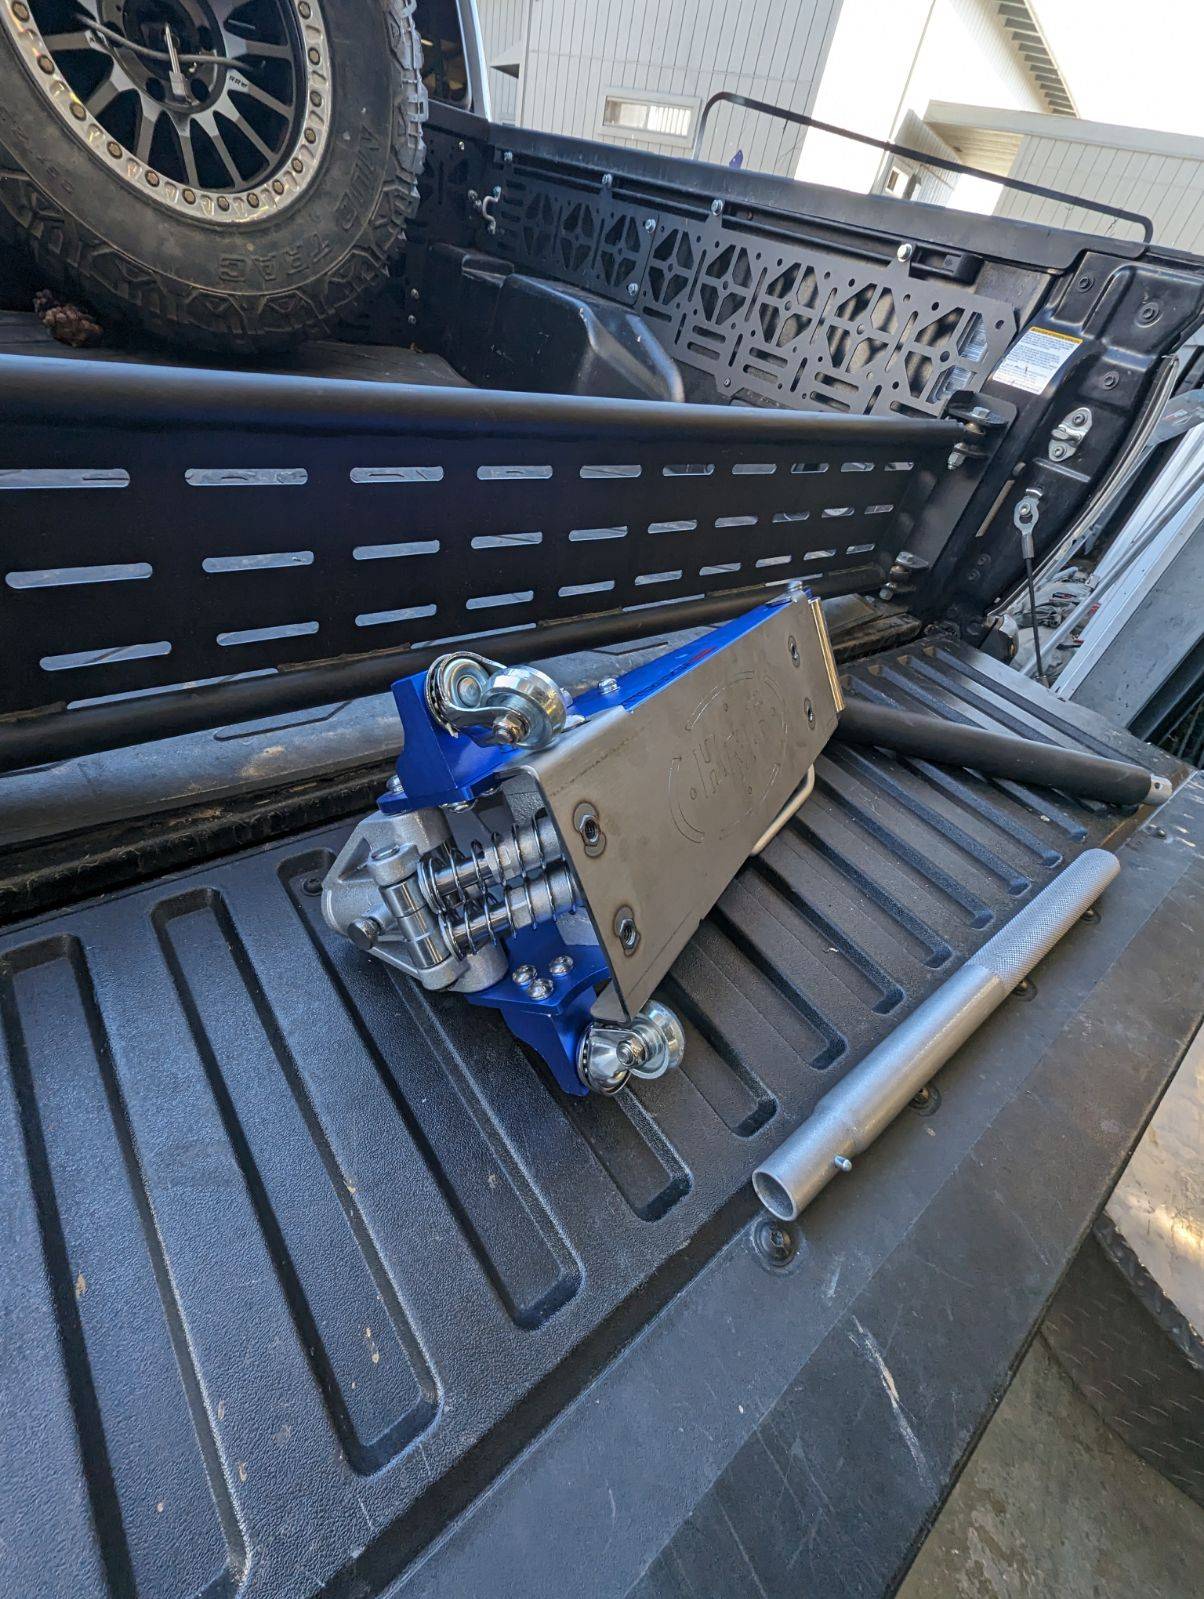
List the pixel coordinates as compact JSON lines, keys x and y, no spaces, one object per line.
{"x":232,"y":174}
{"x":218,"y":105}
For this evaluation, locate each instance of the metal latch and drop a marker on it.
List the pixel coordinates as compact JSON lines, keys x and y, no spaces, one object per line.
{"x":552,"y":858}
{"x":1070,"y":433}
{"x":484,"y":204}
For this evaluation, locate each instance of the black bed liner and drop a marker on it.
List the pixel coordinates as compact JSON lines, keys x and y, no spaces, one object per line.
{"x":299,"y":1258}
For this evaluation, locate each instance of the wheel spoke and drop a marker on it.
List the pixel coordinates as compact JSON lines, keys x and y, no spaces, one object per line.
{"x":219,"y":144}
{"x":102,"y":97}
{"x":78,"y":39}
{"x":257,"y":47}
{"x":248,"y":132}
{"x":264,"y":98}
{"x":146,"y":132}
{"x":187,"y":153}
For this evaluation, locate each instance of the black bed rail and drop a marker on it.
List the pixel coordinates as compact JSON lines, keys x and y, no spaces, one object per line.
{"x":184,"y":548}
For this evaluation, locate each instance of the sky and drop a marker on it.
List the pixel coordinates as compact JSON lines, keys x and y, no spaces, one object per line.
{"x":1138,"y":64}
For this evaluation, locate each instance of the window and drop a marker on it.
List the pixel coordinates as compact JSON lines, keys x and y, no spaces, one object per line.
{"x":669,"y":118}
{"x":444,"y":71}
{"x":901,"y":182}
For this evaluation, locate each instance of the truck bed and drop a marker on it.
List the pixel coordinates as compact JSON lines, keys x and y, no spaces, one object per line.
{"x":315,"y":1284}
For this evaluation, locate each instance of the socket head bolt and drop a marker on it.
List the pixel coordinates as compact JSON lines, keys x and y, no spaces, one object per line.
{"x":523,"y":976}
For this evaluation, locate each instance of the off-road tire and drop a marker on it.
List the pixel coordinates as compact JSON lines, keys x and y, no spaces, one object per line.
{"x":235,"y":289}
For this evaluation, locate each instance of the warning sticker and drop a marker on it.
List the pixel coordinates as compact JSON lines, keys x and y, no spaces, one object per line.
{"x":1035,"y":359}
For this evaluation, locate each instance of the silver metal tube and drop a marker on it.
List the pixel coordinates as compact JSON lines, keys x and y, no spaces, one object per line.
{"x":853,"y":1113}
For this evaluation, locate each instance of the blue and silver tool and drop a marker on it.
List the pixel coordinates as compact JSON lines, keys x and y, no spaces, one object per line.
{"x":552,"y":857}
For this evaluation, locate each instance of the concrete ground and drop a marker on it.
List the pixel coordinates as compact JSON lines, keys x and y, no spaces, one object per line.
{"x":1052,"y":1505}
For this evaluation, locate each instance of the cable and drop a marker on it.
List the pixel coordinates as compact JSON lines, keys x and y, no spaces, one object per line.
{"x":1032,"y":603}
{"x":159,"y":55}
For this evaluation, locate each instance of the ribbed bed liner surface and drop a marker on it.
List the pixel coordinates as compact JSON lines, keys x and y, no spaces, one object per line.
{"x":298,"y":1257}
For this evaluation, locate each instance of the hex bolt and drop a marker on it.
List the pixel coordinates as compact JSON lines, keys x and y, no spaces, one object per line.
{"x":560,"y":965}
{"x":1110,"y":380}
{"x":540,"y":988}
{"x":523,"y":976}
{"x":842,"y":1163}
{"x":608,"y":685}
{"x":394,"y":785}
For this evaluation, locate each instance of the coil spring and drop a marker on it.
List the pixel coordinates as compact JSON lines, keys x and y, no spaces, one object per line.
{"x":449,"y":878}
{"x":471,"y":926}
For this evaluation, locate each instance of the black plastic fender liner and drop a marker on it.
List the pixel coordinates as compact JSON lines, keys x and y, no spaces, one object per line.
{"x":1023,"y":760}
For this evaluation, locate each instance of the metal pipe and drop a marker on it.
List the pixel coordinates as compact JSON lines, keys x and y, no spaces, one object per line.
{"x":851,"y":1115}
{"x":1023,"y":760}
{"x":791,"y":808}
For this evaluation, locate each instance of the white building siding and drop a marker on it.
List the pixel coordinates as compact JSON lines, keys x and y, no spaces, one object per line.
{"x":887,"y":63}
{"x":1167,"y":188}
{"x":684,"y":50}
{"x":503,"y":28}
